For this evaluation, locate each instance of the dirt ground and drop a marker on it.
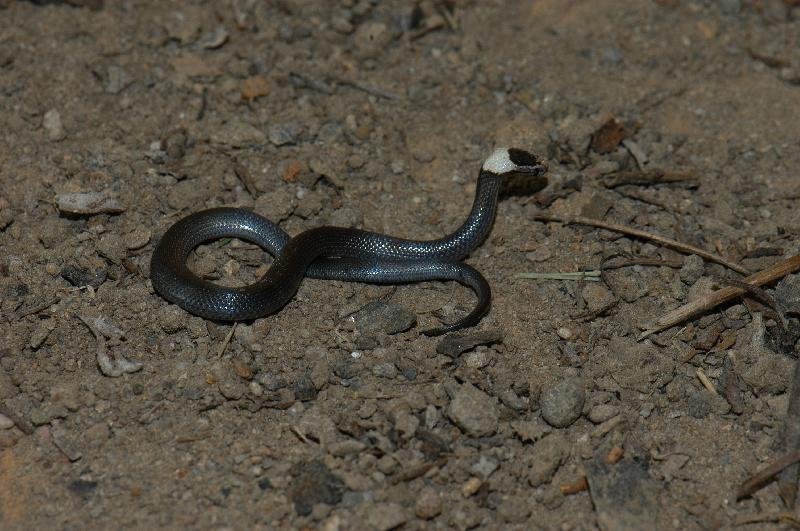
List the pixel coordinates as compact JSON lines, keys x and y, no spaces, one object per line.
{"x":117,"y":118}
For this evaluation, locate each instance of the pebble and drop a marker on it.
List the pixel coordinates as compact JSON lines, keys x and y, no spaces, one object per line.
{"x":787,"y":293}
{"x":477,"y":359}
{"x":602,"y":412}
{"x":43,"y":415}
{"x":5,"y":422}
{"x":137,"y":238}
{"x":597,"y":297}
{"x":453,"y":345}
{"x":52,"y":124}
{"x":81,"y":276}
{"x":382,"y":316}
{"x":759,"y":366}
{"x":471,"y":486}
{"x":562,"y":403}
{"x":284,"y":134}
{"x":530,"y":430}
{"x":550,"y":453}
{"x":256,"y":389}
{"x":385,"y":370}
{"x":88,"y":203}
{"x":40,"y":333}
{"x":172,"y":319}
{"x":237,"y":133}
{"x":473,"y":411}
{"x":510,"y":399}
{"x":484,"y":467}
{"x":428,"y":504}
{"x":385,"y":516}
{"x":304,"y":389}
{"x":692,"y":269}
{"x":514,"y":509}
{"x":314,"y":483}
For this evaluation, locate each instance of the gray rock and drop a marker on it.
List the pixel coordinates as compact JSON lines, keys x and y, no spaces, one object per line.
{"x":428,"y":504}
{"x":562,"y":403}
{"x":757,"y":365}
{"x":314,"y":483}
{"x":284,"y":134}
{"x":484,"y":467}
{"x":304,"y":389}
{"x":693,"y":268}
{"x":52,"y":124}
{"x":43,"y":415}
{"x":384,"y":516}
{"x":530,"y":430}
{"x":473,"y":411}
{"x":602,"y":412}
{"x":383,"y":316}
{"x":172,"y":319}
{"x":385,"y":370}
{"x":87,"y":203}
{"x":238,"y":134}
{"x":597,"y":297}
{"x":787,"y":293}
{"x":550,"y":452}
{"x":624,"y":495}
{"x":477,"y":359}
{"x":514,"y":509}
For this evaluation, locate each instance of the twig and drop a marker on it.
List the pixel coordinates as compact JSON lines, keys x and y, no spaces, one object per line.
{"x":648,"y":178}
{"x":36,"y":308}
{"x":706,"y":382}
{"x":593,"y":276}
{"x":763,"y":476}
{"x":246,"y":177}
{"x":227,"y":340}
{"x":574,"y":487}
{"x":311,"y":83}
{"x":720,"y":296}
{"x":667,"y":242}
{"x":300,"y":435}
{"x":759,"y":294}
{"x":657,"y":262}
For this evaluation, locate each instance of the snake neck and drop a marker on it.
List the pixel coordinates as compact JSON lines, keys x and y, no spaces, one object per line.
{"x":479,"y":222}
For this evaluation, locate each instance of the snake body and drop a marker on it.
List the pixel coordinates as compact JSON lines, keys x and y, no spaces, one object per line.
{"x":333,"y":253}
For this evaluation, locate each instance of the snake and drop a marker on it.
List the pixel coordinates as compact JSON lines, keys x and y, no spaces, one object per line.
{"x":332,"y":253}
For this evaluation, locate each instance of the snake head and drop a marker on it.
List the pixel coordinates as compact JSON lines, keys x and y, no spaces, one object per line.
{"x":505,"y":161}
{"x":520,"y":172}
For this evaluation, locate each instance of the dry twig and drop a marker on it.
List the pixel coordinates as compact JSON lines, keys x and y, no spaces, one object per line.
{"x":666,"y":242}
{"x":720,"y":296}
{"x":763,"y":476}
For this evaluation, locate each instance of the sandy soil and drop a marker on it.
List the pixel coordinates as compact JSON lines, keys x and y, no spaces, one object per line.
{"x":118,"y":118}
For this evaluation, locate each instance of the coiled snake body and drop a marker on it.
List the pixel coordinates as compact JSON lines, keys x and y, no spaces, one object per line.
{"x":333,"y":253}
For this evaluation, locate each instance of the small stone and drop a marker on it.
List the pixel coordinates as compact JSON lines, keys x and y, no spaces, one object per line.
{"x":514,"y":509}
{"x":40,"y":333}
{"x":232,"y":389}
{"x":385,"y":516}
{"x":98,"y":433}
{"x":88,"y":203}
{"x":242,"y":369}
{"x":477,"y":359}
{"x":385,"y":370}
{"x":511,"y":399}
{"x":314,"y":483}
{"x":541,"y":254}
{"x":602,"y":412}
{"x":346,"y":447}
{"x":693,"y":268}
{"x":43,"y":415}
{"x":255,"y":87}
{"x":283,"y":134}
{"x":598,"y":298}
{"x":304,"y":389}
{"x":484,"y":467}
{"x":81,"y":276}
{"x":52,"y":124}
{"x":473,"y":411}
{"x":117,"y":79}
{"x":530,"y":430}
{"x":386,"y":317}
{"x":757,"y":365}
{"x":7,"y":387}
{"x":341,"y":25}
{"x":471,"y":486}
{"x":454,"y":344}
{"x":787,"y":293}
{"x":238,"y":134}
{"x":256,"y":389}
{"x":562,"y":403}
{"x":428,"y":504}
{"x":172,"y":319}
{"x":550,"y":453}
{"x":5,"y":422}
{"x":137,"y":238}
